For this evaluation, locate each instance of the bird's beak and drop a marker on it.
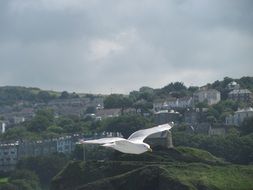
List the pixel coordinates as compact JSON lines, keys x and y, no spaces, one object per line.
{"x":149,"y":149}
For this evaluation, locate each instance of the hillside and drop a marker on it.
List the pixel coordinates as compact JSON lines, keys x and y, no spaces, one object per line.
{"x":10,"y":95}
{"x":178,"y":168}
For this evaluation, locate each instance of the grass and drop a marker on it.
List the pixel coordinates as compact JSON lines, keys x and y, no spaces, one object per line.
{"x":188,"y":175}
{"x":229,"y":177}
{"x":3,"y":180}
{"x":180,"y":168}
{"x":197,"y":153}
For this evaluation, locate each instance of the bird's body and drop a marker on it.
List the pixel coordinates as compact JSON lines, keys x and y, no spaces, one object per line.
{"x":134,"y":144}
{"x":128,"y":147}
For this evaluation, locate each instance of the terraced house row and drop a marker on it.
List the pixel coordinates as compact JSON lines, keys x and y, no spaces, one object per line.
{"x":10,"y":153}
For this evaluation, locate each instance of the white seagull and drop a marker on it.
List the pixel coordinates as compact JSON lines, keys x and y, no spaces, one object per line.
{"x":134,"y":144}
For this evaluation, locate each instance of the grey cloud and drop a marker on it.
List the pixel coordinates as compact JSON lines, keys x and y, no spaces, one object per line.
{"x":99,"y":46}
{"x":43,"y":25}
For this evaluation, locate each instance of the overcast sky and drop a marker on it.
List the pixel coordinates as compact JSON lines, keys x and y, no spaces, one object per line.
{"x":104,"y":46}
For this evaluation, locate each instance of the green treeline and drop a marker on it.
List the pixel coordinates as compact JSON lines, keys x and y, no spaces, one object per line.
{"x":10,"y":95}
{"x":233,"y":147}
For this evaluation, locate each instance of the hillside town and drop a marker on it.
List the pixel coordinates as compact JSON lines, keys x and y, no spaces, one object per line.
{"x":162,"y":109}
{"x":191,"y":111}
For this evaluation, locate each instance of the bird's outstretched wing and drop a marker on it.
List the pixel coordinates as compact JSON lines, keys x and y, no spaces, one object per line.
{"x":101,"y":141}
{"x":140,"y":135}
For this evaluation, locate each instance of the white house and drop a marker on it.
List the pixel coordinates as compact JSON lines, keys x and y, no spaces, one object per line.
{"x":233,"y":85}
{"x":240,"y":95}
{"x":2,"y":125}
{"x":239,"y":116}
{"x":107,"y":113}
{"x":8,"y":156}
{"x":171,"y":103}
{"x":211,"y":96}
{"x":18,"y":119}
{"x":65,"y":144}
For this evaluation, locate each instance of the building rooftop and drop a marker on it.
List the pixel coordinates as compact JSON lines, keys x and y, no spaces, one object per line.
{"x":108,"y":112}
{"x":162,"y":111}
{"x":166,"y":111}
{"x":250,"y":109}
{"x":240,"y":91}
{"x":233,"y":83}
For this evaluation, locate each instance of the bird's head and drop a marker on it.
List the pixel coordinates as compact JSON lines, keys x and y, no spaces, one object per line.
{"x":147,"y":147}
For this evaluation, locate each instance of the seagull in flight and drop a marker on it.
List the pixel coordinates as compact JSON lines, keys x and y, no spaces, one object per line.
{"x":134,"y":144}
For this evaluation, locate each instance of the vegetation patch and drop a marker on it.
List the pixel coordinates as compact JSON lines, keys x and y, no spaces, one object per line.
{"x":178,"y":168}
{"x":3,"y":180}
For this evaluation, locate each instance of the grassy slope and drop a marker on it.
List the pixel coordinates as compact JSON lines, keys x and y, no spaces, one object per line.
{"x":178,"y":177}
{"x":181,"y":168}
{"x":3,"y":180}
{"x":215,"y":177}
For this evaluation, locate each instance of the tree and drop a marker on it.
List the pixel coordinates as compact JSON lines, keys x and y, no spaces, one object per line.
{"x":193,"y":89}
{"x":39,"y":124}
{"x":221,"y":86}
{"x":211,"y":119}
{"x":177,"y":86}
{"x":247,"y":126}
{"x":55,"y":129}
{"x":125,"y":103}
{"x":90,"y":96}
{"x":134,"y":95}
{"x":22,"y":180}
{"x":146,"y":89}
{"x":246,"y":150}
{"x":42,"y":120}
{"x":117,"y":101}
{"x":8,"y":186}
{"x":18,"y":133}
{"x":246,"y":82}
{"x":143,"y":105}
{"x":202,"y":105}
{"x":126,"y":124}
{"x":48,"y":113}
{"x":65,"y":95}
{"x":74,"y":95}
{"x":91,"y":109}
{"x":232,"y":147}
{"x":66,"y":124}
{"x":176,"y":89}
{"x":46,"y":167}
{"x":11,"y":94}
{"x":69,"y":125}
{"x":212,"y":115}
{"x":44,"y":96}
{"x":113,"y":101}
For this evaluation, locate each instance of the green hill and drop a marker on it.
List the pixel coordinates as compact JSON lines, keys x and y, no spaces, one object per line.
{"x":9,"y":95}
{"x":179,"y":154}
{"x":178,"y":168}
